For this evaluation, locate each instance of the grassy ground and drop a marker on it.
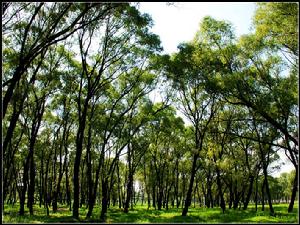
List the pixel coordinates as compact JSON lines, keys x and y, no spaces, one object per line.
{"x":140,"y":214}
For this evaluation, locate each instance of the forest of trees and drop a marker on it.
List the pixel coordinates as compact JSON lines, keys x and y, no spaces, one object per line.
{"x":79,"y":126}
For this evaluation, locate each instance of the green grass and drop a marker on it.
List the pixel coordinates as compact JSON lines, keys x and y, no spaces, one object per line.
{"x":140,"y":214}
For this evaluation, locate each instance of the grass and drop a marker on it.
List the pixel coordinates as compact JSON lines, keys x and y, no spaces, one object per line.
{"x":140,"y":214}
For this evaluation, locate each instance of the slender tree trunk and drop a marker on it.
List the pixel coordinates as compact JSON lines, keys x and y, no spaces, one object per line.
{"x":129,"y":191}
{"x":24,"y":188}
{"x":30,"y":165}
{"x":153,"y":188}
{"x":268,"y":191}
{"x":222,"y":203}
{"x":68,"y":192}
{"x":104,"y":200}
{"x":160,"y":198}
{"x":129,"y":180}
{"x":61,"y":169}
{"x":199,"y":196}
{"x":82,"y":186}
{"x":57,"y":192}
{"x":7,"y":165}
{"x":46,"y":195}
{"x":119,"y":186}
{"x":263,"y":196}
{"x":246,"y":202}
{"x":190,"y":189}
{"x":79,"y":143}
{"x":256,"y":191}
{"x":41,"y":178}
{"x":230,"y":195}
{"x":93,"y":199}
{"x":207,"y":192}
{"x":31,"y":187}
{"x":12,"y":125}
{"x":294,"y":191}
{"x":176,"y":185}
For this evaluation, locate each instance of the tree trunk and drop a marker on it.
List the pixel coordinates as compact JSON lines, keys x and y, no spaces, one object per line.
{"x":160,"y":198}
{"x":230,"y":195}
{"x":246,"y":202}
{"x":129,"y":191}
{"x":294,"y":191}
{"x":104,"y":200}
{"x":42,"y":178}
{"x":176,"y":185}
{"x":61,"y":169}
{"x":222,"y":203}
{"x":79,"y":143}
{"x":68,"y":192}
{"x":190,"y":189}
{"x":24,"y":188}
{"x":119,"y":186}
{"x":272,"y":213}
{"x":8,"y":162}
{"x":31,"y":187}
{"x":153,"y":195}
{"x":263,"y":196}
{"x":256,"y":192}
{"x":93,"y":198}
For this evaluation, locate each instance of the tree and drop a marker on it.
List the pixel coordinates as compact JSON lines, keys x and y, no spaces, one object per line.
{"x":277,"y":23}
{"x":189,"y":71}
{"x":48,"y":24}
{"x":109,"y":63}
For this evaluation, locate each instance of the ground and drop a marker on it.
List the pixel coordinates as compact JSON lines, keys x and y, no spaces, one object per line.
{"x":140,"y":214}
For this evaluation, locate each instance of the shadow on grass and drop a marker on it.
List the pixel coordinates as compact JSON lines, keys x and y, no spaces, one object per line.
{"x":14,"y":217}
{"x":142,"y":215}
{"x":151,"y":216}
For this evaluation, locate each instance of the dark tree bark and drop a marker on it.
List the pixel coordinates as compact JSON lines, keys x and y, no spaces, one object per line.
{"x":62,"y":166}
{"x":268,"y":192}
{"x":93,"y":197}
{"x":263,"y":196}
{"x":294,"y":191}
{"x":129,"y":180}
{"x":104,"y":200}
{"x":24,"y":188}
{"x":129,"y":192}
{"x":176,"y":185}
{"x":79,"y":147}
{"x":42,"y":178}
{"x":190,"y":188}
{"x":68,"y":192}
{"x":265,"y":157}
{"x":31,"y":187}
{"x":246,"y":202}
{"x":9,"y":162}
{"x":46,"y":193}
{"x":29,"y":164}
{"x":256,"y":191}
{"x":294,"y":159}
{"x":220,"y":193}
{"x":160,"y":198}
{"x":119,"y":186}
{"x":230,"y":193}
{"x":236,"y":195}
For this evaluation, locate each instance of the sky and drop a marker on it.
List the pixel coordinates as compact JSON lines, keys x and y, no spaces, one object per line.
{"x":180,"y":22}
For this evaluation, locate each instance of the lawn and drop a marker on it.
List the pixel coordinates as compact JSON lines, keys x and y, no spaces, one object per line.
{"x":140,"y":214}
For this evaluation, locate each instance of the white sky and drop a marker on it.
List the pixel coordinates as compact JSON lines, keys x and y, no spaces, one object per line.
{"x":179,"y":23}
